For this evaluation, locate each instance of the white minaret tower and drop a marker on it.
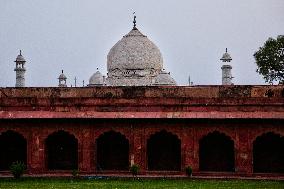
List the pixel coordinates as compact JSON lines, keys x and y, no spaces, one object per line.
{"x":20,"y":70}
{"x":62,"y":80}
{"x":226,"y":69}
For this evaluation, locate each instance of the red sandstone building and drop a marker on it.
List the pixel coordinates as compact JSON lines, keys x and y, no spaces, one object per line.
{"x":231,"y":130}
{"x":136,"y":115}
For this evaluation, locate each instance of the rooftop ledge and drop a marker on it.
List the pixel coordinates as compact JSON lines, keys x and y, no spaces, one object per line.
{"x":198,"y":91}
{"x":140,"y":115}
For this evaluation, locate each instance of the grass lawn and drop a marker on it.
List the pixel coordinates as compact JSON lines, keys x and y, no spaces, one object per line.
{"x":36,"y":183}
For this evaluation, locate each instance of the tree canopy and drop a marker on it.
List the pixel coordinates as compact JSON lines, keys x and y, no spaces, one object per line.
{"x":270,"y":60}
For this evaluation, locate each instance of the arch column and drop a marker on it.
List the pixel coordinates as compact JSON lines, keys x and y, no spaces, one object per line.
{"x":136,"y":149}
{"x":188,"y":149}
{"x":36,"y":160}
{"x":86,"y":152}
{"x":243,"y":154}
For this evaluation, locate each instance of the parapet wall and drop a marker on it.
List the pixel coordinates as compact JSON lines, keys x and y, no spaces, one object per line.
{"x":234,"y":91}
{"x":144,"y":102}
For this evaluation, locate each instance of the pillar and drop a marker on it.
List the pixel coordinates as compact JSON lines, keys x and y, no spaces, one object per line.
{"x":189,"y":149}
{"x":243,"y":152}
{"x":36,"y":160}
{"x":86,"y":151}
{"x":137,"y":151}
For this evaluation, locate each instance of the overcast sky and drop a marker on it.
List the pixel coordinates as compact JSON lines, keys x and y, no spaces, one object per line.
{"x":76,"y":35}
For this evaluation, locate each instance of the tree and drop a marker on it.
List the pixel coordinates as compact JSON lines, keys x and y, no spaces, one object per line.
{"x":270,"y":60}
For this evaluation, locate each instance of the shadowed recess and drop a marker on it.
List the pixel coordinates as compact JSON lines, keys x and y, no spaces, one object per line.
{"x":268,"y":154}
{"x":13,"y":148}
{"x":164,"y":152}
{"x":112,"y":152}
{"x":61,"y":151}
{"x":216,"y":153}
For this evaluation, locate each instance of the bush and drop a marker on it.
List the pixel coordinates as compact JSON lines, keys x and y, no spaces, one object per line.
{"x":134,"y":169}
{"x":188,"y":171}
{"x":75,"y":172}
{"x":17,"y":169}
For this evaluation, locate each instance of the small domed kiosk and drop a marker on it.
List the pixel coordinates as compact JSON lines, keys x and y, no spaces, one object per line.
{"x":97,"y":79}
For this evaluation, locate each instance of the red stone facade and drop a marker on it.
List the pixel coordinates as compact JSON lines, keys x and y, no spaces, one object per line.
{"x":241,"y":113}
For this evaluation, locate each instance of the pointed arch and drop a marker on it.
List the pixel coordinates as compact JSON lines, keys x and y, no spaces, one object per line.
{"x":112,"y":151}
{"x":164,"y":152}
{"x":13,"y":148}
{"x":216,"y":153}
{"x":268,"y":153}
{"x":61,"y":151}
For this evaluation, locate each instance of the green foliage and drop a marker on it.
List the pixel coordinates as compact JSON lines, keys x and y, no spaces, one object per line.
{"x":134,"y":169}
{"x":75,"y":172}
{"x":17,"y":169}
{"x":270,"y":60}
{"x":188,"y":171}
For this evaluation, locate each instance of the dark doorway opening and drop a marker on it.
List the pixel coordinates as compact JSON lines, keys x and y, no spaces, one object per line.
{"x":268,"y":154}
{"x":61,"y":151}
{"x":112,"y":152}
{"x":164,"y":152}
{"x":216,"y":153}
{"x":13,"y":148}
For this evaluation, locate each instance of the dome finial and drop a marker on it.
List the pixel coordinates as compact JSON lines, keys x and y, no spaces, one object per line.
{"x":226,"y":57}
{"x":134,"y":21}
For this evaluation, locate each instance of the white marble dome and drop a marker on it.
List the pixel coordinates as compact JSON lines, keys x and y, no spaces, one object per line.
{"x":62,"y":76}
{"x":133,"y":60}
{"x":164,"y":78}
{"x":134,"y":51}
{"x":96,"y":79}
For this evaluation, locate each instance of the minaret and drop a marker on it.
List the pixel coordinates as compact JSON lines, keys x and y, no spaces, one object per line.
{"x":62,"y":80}
{"x":20,"y":70}
{"x":226,"y":69}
